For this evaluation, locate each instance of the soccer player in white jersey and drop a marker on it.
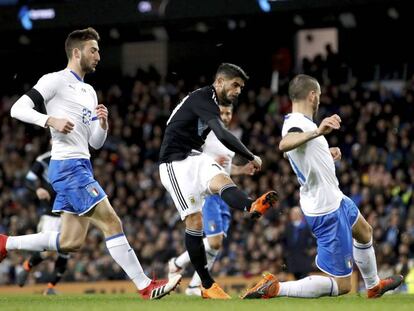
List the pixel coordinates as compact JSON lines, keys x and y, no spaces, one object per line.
{"x":76,"y":120}
{"x":343,"y":235}
{"x":216,"y":212}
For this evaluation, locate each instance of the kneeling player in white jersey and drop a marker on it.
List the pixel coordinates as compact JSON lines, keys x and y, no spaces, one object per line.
{"x":216,"y":212}
{"x":77,"y":120}
{"x":343,"y":235}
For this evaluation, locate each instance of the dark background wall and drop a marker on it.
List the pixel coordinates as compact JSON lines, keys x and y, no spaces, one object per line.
{"x":200,"y":34}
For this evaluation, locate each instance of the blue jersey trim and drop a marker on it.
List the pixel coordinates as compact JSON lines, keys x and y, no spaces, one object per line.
{"x":76,"y":76}
{"x":288,"y":116}
{"x":114,"y":236}
{"x":301,"y":177}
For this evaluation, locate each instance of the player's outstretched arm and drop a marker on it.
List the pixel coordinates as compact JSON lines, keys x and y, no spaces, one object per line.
{"x":247,"y":169}
{"x":293,"y":140}
{"x":229,"y":140}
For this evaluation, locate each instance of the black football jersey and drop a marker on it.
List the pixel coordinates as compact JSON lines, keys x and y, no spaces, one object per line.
{"x":187,"y":126}
{"x":38,"y":177}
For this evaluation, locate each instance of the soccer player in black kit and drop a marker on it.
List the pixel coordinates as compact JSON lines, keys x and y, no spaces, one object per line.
{"x":38,"y":182}
{"x":188,"y":174}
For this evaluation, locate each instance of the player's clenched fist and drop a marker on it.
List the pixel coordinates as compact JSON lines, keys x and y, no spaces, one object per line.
{"x":257,"y":163}
{"x":102,"y":114}
{"x":328,"y":124}
{"x":61,"y":125}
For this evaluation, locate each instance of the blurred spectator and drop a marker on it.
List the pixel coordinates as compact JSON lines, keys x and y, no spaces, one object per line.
{"x":376,"y":170}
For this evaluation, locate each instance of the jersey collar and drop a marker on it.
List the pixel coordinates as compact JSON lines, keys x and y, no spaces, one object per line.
{"x":215,"y":97}
{"x":289,"y":114}
{"x":76,"y":76}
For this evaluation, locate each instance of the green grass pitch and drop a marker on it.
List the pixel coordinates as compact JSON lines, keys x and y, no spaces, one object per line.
{"x":179,"y":302}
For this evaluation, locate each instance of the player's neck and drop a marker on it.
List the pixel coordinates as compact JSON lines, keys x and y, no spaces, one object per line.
{"x":302,"y":108}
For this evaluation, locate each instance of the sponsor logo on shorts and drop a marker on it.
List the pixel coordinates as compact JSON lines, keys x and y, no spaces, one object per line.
{"x":93,"y":192}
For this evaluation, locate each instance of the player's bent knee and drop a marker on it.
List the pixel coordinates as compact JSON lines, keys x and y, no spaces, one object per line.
{"x":215,"y":242}
{"x":194,"y":221}
{"x":215,"y":245}
{"x":70,"y":246}
{"x":344,"y":287}
{"x":366,"y":234}
{"x":218,"y":182}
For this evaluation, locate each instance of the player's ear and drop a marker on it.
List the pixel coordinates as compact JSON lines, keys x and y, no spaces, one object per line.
{"x":220,"y":80}
{"x":311,"y":96}
{"x":76,"y":53}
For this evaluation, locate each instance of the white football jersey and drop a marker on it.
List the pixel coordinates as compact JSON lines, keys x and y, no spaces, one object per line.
{"x":214,"y":148}
{"x":314,"y":167}
{"x":67,"y":96}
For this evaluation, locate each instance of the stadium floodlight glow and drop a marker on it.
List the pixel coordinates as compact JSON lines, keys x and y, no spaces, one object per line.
{"x":144,"y":6}
{"x":42,"y":14}
{"x":264,"y":5}
{"x":26,"y":16}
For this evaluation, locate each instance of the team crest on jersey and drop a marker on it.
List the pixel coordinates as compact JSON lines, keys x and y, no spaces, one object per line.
{"x":93,"y":192}
{"x":192,"y":200}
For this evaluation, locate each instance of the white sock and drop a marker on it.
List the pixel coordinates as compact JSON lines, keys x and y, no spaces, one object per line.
{"x":310,"y":287}
{"x":39,"y":242}
{"x":124,"y":256}
{"x":211,"y":255}
{"x":183,"y":260}
{"x":364,"y":256}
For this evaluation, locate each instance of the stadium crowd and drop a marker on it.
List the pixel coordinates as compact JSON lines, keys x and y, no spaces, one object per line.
{"x":376,"y":171}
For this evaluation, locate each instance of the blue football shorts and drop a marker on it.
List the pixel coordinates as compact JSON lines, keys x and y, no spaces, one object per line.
{"x":333,"y":234}
{"x":216,"y":216}
{"x":77,"y":192}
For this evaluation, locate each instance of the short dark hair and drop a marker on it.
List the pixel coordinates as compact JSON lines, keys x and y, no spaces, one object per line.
{"x":227,"y":105}
{"x":300,"y":86}
{"x":76,"y":39}
{"x":231,"y":71}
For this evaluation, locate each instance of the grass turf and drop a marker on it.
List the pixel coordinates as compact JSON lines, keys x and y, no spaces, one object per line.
{"x":127,"y":302}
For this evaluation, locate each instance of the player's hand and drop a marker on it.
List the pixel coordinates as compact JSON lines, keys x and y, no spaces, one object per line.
{"x":328,"y":124}
{"x":257,"y":163}
{"x":248,"y":169}
{"x":42,"y":194}
{"x":223,"y":160}
{"x":63,"y":126}
{"x":336,"y":153}
{"x":102,"y":114}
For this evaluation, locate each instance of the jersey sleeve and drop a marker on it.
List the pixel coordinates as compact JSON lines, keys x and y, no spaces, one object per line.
{"x":47,"y":86}
{"x":206,"y":106}
{"x":292,"y":124}
{"x":98,"y":134}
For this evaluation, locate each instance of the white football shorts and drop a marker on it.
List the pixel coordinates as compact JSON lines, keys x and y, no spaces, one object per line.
{"x":188,"y":181}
